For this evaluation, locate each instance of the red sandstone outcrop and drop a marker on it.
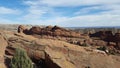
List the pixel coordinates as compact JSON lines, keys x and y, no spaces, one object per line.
{"x":56,"y":53}
{"x":117,"y":40}
{"x":58,"y":33}
{"x":59,"y":54}
{"x":102,"y":34}
{"x":49,"y":30}
{"x":108,"y":37}
{"x":22,"y":29}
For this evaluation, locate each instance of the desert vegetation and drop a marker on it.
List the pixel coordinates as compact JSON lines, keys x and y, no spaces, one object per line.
{"x":21,"y":60}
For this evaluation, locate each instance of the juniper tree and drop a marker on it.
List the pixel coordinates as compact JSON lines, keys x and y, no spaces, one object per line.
{"x":21,"y":60}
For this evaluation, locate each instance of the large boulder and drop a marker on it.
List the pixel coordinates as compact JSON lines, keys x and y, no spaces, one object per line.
{"x":23,"y":29}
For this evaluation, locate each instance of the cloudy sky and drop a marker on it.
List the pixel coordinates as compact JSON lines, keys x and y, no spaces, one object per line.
{"x":73,"y":13}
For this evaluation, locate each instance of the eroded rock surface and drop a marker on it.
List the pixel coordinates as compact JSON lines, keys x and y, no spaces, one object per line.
{"x":60,"y":54}
{"x":57,"y":33}
{"x":108,"y":37}
{"x":55,"y":51}
{"x":49,"y":30}
{"x":3,"y":45}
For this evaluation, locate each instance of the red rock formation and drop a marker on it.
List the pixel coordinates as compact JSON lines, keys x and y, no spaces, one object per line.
{"x":116,"y":39}
{"x":35,"y":30}
{"x":62,"y":54}
{"x":108,"y":37}
{"x":23,"y":29}
{"x":102,"y":34}
{"x":50,"y":31}
{"x":59,"y":54}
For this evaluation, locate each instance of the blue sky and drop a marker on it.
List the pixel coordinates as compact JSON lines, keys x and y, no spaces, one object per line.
{"x":70,"y":13}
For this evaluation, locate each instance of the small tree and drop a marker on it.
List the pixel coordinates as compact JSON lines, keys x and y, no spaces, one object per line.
{"x":21,"y":60}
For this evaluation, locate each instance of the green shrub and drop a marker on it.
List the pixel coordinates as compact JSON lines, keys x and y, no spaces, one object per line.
{"x":84,"y":44}
{"x":21,"y":60}
{"x":103,"y":48}
{"x":112,"y":52}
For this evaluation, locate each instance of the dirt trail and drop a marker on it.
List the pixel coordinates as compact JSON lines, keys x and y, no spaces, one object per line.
{"x":3,"y":44}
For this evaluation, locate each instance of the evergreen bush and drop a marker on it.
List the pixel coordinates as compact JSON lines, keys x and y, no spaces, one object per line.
{"x":21,"y":60}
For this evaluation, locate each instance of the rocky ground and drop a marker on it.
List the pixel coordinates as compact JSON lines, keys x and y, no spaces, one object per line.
{"x":56,"y":50}
{"x":3,"y":45}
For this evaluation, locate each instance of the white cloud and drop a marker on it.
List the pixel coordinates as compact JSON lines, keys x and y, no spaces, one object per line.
{"x":89,"y":9}
{"x":4,"y":10}
{"x":112,"y":9}
{"x":7,"y":21}
{"x":71,"y":3}
{"x":94,"y":20}
{"x":34,"y":13}
{"x":88,"y":20}
{"x":34,"y":10}
{"x":37,"y":8}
